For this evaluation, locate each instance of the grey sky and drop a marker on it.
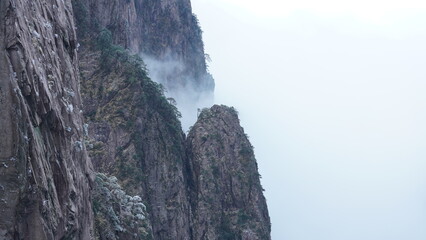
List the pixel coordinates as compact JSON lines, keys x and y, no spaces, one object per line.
{"x":334,"y":103}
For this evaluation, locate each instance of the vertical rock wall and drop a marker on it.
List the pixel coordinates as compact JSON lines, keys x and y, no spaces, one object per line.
{"x":44,"y":169}
{"x":164,"y":30}
{"x":135,"y":135}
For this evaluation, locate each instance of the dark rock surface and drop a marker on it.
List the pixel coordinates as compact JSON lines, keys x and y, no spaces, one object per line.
{"x":135,"y":135}
{"x":227,"y":197}
{"x":165,"y":30}
{"x":44,"y":169}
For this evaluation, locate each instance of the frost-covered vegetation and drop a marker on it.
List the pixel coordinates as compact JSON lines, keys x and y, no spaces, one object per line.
{"x":116,"y":213}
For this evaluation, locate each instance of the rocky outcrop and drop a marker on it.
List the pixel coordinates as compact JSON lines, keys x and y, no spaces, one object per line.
{"x":134,"y":134}
{"x":134,"y":131}
{"x":44,"y":169}
{"x":226,"y":197}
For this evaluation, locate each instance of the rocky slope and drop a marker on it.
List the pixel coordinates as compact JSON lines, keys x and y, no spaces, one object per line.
{"x":227,"y":198}
{"x":44,"y":169}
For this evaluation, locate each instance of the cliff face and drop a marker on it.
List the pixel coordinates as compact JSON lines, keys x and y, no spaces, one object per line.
{"x":151,"y":181}
{"x":226,"y":196}
{"x":135,"y":135}
{"x":44,"y":168}
{"x":134,"y":132}
{"x":163,"y":30}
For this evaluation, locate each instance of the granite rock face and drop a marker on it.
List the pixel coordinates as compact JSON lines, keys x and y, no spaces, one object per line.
{"x":45,"y":173}
{"x":134,"y":134}
{"x":164,"y":30}
{"x":227,"y":197}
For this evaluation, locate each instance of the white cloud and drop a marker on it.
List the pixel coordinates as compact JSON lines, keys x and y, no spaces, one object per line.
{"x":374,"y":11}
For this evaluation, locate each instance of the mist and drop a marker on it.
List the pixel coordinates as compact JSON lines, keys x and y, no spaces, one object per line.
{"x":335,"y":107}
{"x":185,"y":96}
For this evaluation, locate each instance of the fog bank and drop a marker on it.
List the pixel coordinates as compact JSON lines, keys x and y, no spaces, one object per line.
{"x":335,"y":107}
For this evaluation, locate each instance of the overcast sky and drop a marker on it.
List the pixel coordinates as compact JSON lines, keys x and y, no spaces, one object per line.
{"x":333,"y":96}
